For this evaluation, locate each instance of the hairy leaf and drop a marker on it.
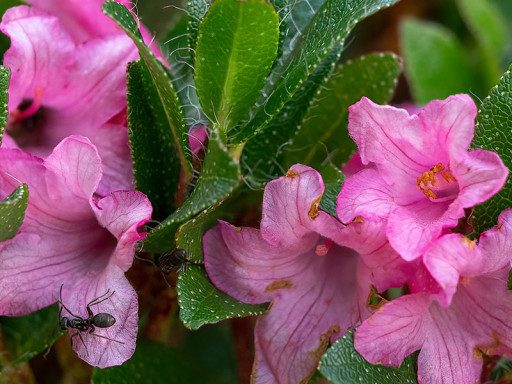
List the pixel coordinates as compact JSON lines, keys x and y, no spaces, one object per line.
{"x":156,"y":166}
{"x":492,"y":132}
{"x":168,"y":97}
{"x":5,"y":76}
{"x":262,"y":156}
{"x":201,"y":303}
{"x":341,"y":364}
{"x":12,"y":212}
{"x":219,"y":176}
{"x":236,"y":46}
{"x":327,"y":29}
{"x":323,"y":134}
{"x":436,"y":63}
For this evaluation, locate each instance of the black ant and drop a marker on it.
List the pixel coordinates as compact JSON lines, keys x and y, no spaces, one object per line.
{"x":167,"y":262}
{"x":100,"y":320}
{"x":173,"y":260}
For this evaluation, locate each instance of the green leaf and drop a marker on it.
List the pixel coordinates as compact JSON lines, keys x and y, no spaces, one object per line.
{"x":181,"y":70}
{"x":168,"y":97}
{"x":236,"y":47}
{"x":152,"y":362}
{"x":196,"y":11}
{"x":333,"y":179}
{"x":12,"y":212}
{"x":492,"y":132}
{"x":190,"y":234}
{"x":503,"y":369}
{"x":323,"y":134}
{"x":156,"y":166}
{"x":262,"y":156}
{"x":5,"y":76}
{"x":488,"y":27}
{"x":436,"y":63}
{"x":211,"y":349}
{"x":327,"y":29}
{"x":201,"y":303}
{"x":29,"y":335}
{"x":219,"y":177}
{"x":341,"y":364}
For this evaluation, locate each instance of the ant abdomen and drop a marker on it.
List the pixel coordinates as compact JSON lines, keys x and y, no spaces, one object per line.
{"x":103,"y":320}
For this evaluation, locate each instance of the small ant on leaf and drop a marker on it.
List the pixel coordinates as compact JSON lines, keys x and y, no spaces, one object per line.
{"x":173,"y":260}
{"x":89,"y":324}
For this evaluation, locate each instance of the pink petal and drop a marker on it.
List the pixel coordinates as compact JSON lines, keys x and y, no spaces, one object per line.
{"x":395,"y":331}
{"x":393,"y":140}
{"x":245,"y":266}
{"x":295,"y":333}
{"x":353,"y":166}
{"x":365,"y":194}
{"x":449,"y":258}
{"x":40,"y":55}
{"x":452,"y":123}
{"x":123,"y":213}
{"x":447,"y":355}
{"x":196,"y":138}
{"x":496,"y":244}
{"x":480,"y":174}
{"x":82,"y":19}
{"x":60,"y":239}
{"x":290,"y":205}
{"x":122,"y":305}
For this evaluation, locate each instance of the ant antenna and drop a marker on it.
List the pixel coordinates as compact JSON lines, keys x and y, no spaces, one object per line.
{"x":156,"y":266}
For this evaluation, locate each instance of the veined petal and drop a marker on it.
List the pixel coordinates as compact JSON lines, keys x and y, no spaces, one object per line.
{"x":41,"y":54}
{"x":450,"y":258}
{"x":496,"y":244}
{"x":451,"y":122}
{"x":244,"y":265}
{"x":290,"y":205}
{"x":82,"y":19}
{"x":365,"y":194}
{"x":395,"y":331}
{"x":319,"y":308}
{"x":123,"y":213}
{"x":109,"y":346}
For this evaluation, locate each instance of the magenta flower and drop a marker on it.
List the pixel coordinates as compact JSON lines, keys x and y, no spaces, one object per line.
{"x":59,"y":88}
{"x":419,"y":176}
{"x":318,"y":288}
{"x":84,"y":20}
{"x":70,"y":237}
{"x":457,"y":312}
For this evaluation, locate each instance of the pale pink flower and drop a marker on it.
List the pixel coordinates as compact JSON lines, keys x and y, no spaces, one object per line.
{"x":419,"y":175}
{"x":72,"y":238}
{"x":299,"y":261}
{"x":59,"y":88}
{"x":459,"y":308}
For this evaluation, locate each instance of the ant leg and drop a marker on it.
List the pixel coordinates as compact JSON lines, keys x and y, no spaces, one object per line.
{"x":63,"y":306}
{"x":92,"y":329}
{"x":77,"y":333}
{"x":108,"y":338}
{"x":96,"y":301}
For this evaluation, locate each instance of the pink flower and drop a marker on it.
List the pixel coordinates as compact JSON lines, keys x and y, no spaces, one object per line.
{"x":419,"y":176}
{"x":83,"y":20}
{"x":196,"y":138}
{"x":70,"y":237}
{"x":460,"y":308}
{"x":317,"y":286}
{"x":59,"y":88}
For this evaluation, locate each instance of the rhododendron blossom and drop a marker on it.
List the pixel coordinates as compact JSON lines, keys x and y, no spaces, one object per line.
{"x":419,"y":175}
{"x":59,"y":88}
{"x":73,"y":239}
{"x":298,"y":261}
{"x":459,"y":309}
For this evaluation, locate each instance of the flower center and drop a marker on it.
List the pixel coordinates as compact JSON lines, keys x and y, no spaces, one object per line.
{"x":25,"y":122}
{"x":438,"y":184}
